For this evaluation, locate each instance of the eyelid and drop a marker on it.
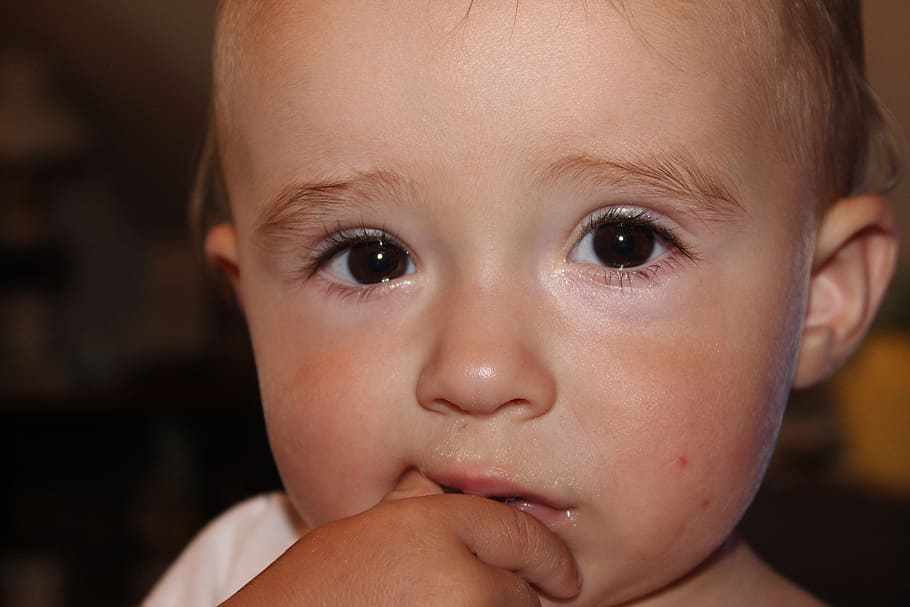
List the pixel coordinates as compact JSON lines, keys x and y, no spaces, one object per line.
{"x":620,"y":212}
{"x":634,"y":215}
{"x":340,"y":239}
{"x":675,"y":251}
{"x":324,"y":255}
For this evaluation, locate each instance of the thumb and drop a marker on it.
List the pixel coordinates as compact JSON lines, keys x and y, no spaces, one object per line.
{"x":412,"y":484}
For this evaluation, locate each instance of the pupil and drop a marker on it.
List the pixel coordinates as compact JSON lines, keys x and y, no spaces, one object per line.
{"x":376,"y":261}
{"x":621,"y":245}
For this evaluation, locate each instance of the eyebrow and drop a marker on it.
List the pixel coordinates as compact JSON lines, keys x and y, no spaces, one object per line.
{"x":705,"y":193}
{"x":302,"y":206}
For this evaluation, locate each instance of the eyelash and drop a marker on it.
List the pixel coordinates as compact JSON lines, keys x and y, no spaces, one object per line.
{"x":335,"y":242}
{"x":676,"y":249}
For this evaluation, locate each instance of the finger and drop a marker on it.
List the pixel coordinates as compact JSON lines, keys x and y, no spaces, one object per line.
{"x":512,"y":540}
{"x":412,"y":484}
{"x":509,"y":589}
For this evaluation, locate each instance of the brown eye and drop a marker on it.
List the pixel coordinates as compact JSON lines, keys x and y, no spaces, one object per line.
{"x":621,"y":245}
{"x":369,"y":262}
{"x":372,"y":262}
{"x":624,"y":240}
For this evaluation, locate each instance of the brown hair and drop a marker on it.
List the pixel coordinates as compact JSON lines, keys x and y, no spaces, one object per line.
{"x":208,"y":196}
{"x":834,"y":123}
{"x":840,"y":129}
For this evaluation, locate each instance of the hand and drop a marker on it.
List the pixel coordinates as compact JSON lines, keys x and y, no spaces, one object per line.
{"x":419,"y":549}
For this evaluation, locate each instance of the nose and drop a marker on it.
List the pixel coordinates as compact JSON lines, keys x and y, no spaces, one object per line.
{"x":486,"y":359}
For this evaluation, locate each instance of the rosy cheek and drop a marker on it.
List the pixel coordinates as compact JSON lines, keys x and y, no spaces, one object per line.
{"x":682,"y":463}
{"x":325,"y":423}
{"x":694,"y":428}
{"x":721,"y":434}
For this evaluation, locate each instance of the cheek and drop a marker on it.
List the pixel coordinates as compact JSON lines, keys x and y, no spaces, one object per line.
{"x":331,"y":407}
{"x":685,"y":413}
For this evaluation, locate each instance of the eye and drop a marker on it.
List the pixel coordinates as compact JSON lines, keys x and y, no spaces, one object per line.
{"x":367,"y":259}
{"x":622,"y":239}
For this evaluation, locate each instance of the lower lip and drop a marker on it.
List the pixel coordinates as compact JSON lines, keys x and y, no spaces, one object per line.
{"x":551,"y":517}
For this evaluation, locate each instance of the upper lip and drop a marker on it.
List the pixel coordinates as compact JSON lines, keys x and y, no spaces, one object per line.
{"x":491,"y":485}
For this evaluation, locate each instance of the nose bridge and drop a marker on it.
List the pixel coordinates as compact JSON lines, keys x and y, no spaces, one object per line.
{"x":486,"y":356}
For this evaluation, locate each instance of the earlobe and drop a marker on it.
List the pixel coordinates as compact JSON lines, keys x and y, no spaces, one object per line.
{"x":221,"y":252}
{"x":855,"y":257}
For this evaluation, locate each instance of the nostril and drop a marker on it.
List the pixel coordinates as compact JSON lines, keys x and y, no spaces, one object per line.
{"x":476,"y":406}
{"x":480,"y":378}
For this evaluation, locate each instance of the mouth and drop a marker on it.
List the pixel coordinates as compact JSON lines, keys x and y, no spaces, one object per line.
{"x":502,"y":499}
{"x":553,"y":515}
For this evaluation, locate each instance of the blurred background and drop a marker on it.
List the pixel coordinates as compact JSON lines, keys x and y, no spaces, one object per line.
{"x":129,"y":414}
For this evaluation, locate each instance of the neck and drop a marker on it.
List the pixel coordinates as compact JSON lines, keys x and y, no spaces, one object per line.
{"x":732,"y":575}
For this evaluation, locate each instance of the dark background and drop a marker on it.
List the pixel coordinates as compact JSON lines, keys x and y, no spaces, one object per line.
{"x":129,"y":414}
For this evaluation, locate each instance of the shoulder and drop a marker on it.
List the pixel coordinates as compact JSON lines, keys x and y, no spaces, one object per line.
{"x":768,"y":587}
{"x":785,"y":593}
{"x":229,"y":552}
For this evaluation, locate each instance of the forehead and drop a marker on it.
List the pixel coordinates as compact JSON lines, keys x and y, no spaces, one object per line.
{"x":316,"y":88}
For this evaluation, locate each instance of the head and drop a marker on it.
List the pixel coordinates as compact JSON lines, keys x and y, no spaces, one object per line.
{"x":583,"y":249}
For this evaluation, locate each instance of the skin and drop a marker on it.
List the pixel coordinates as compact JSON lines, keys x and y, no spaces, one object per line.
{"x":644,"y":405}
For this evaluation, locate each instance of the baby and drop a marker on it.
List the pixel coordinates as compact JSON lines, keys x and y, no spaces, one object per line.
{"x":528,"y":285}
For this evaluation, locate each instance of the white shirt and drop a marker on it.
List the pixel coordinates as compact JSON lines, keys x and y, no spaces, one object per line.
{"x":228,"y":553}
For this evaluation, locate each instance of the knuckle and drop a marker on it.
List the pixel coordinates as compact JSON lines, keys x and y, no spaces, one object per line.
{"x":524,"y":594}
{"x":507,"y":588}
{"x":526,"y":531}
{"x":459,"y":586}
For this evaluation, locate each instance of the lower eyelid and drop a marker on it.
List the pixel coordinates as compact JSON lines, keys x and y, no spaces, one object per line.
{"x":644,"y":277}
{"x":360,"y":293}
{"x":613,"y":277}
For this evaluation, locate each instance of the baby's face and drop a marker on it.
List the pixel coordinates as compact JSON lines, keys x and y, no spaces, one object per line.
{"x":544,"y":249}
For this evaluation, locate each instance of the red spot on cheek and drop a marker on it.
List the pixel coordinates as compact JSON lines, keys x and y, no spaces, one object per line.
{"x":705,"y":503}
{"x":682,"y":461}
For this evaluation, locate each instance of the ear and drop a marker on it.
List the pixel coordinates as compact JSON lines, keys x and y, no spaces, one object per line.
{"x":855,"y":257}
{"x":221,"y":252}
